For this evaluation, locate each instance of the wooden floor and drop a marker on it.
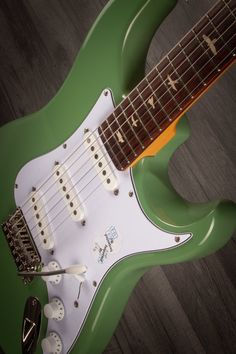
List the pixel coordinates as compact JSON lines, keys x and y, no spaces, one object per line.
{"x":182,"y":308}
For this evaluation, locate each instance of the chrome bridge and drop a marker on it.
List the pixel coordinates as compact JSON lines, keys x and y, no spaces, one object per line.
{"x":21,"y":243}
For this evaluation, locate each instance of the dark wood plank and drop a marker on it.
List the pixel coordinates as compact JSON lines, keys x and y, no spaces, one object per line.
{"x":184,"y":308}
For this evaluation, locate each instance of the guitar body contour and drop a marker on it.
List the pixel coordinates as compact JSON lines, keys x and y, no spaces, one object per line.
{"x":112,"y":57}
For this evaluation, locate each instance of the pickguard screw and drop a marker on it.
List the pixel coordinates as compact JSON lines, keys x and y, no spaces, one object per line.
{"x":177,"y":238}
{"x":64,"y":146}
{"x":83,"y":222}
{"x":116,"y":191}
{"x":56,"y":163}
{"x":131,"y":194}
{"x":76,"y":304}
{"x":94,"y":283}
{"x":16,"y":186}
{"x":52,"y":252}
{"x":86,"y":130}
{"x":33,"y":189}
{"x":106,"y":93}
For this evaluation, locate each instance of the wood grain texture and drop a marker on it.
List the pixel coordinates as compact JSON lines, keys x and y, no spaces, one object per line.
{"x":183,"y":308}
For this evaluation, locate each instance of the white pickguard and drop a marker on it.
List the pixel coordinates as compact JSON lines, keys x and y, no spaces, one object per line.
{"x":118,"y":216}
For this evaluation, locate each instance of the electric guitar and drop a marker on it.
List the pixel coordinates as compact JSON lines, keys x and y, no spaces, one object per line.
{"x":85,"y":210}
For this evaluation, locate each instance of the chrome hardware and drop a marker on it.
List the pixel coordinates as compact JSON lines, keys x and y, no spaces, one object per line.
{"x":21,"y":244}
{"x":31,"y":325}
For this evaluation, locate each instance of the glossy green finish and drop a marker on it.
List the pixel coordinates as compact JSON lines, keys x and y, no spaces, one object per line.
{"x":113,"y":56}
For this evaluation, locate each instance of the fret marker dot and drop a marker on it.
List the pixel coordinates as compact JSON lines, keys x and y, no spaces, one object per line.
{"x":192,"y":97}
{"x":180,"y":108}
{"x":204,"y":84}
{"x":234,"y":54}
{"x":218,"y":70}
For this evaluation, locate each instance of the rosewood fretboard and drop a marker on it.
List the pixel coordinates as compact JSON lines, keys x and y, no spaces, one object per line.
{"x":172,"y":86}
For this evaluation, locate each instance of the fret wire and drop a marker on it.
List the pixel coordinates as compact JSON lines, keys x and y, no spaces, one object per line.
{"x":208,"y":75}
{"x":201,"y":44}
{"x":112,"y":149}
{"x":147,"y":110}
{"x":195,"y":86}
{"x":108,"y":143}
{"x":182,"y":63}
{"x":172,"y":96}
{"x":123,"y":133}
{"x":228,"y":55}
{"x":179,"y":76}
{"x":133,"y":131}
{"x":189,"y":61}
{"x":216,"y":29}
{"x":152,"y":131}
{"x":201,"y":60}
{"x":140,"y":120}
{"x":214,"y":70}
{"x":162,"y":107}
{"x":196,"y":48}
{"x":210,"y":24}
{"x":183,"y":51}
{"x":227,"y":5}
{"x":153,"y":93}
{"x":191,"y":92}
{"x":121,"y":150}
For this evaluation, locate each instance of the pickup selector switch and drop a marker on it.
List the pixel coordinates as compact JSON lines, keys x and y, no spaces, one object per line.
{"x":52,"y":344}
{"x":54,"y":310}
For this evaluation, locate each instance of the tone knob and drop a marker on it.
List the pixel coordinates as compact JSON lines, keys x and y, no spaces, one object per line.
{"x":53,"y":279}
{"x":52,"y":344}
{"x":54,"y":310}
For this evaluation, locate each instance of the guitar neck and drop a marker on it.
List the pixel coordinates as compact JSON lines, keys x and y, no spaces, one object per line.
{"x":172,"y":86}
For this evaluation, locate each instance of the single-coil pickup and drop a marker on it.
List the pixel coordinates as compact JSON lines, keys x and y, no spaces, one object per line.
{"x":42,"y":222}
{"x":69,"y":193}
{"x":100,"y":161}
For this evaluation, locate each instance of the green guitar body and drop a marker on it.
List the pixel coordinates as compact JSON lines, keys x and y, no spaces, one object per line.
{"x":113,"y":56}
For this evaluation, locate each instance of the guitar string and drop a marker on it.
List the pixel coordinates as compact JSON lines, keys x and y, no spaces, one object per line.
{"x":76,"y":183}
{"x":106,"y":165}
{"x":142,"y":103}
{"x":224,"y":7}
{"x":45,"y":181}
{"x":90,"y":168}
{"x":87,"y":197}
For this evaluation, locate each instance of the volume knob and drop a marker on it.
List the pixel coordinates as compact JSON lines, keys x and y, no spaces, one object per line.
{"x":55,"y":309}
{"x":52,"y":344}
{"x":53,"y":279}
